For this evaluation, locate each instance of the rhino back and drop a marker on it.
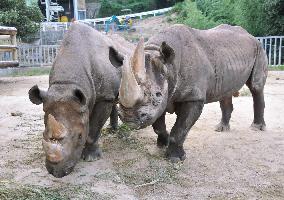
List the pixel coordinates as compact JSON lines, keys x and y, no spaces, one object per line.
{"x":83,"y":60}
{"x":231,"y":52}
{"x":210,"y":63}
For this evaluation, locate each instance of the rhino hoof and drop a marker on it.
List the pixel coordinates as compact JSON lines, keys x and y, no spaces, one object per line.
{"x":258,"y":127}
{"x":177,"y":159}
{"x":91,"y":155}
{"x":175,"y":154}
{"x":221,"y":127}
{"x":163,"y":140}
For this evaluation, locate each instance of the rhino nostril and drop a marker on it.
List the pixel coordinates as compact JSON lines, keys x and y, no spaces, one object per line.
{"x":158,"y":94}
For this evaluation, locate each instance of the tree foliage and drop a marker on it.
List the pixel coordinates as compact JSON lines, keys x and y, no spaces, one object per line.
{"x":189,"y":14}
{"x":259,"y":17}
{"x":17,"y":14}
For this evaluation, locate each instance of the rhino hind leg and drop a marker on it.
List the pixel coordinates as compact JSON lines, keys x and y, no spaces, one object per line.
{"x":187,"y":115}
{"x":159,"y":127}
{"x":258,"y":108}
{"x":256,"y":84}
{"x":227,"y":109}
{"x":99,"y":116}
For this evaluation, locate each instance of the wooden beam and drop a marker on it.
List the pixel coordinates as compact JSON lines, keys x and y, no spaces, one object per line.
{"x":4,"y":30}
{"x":8,"y":48}
{"x":5,"y":37}
{"x":6,"y":64}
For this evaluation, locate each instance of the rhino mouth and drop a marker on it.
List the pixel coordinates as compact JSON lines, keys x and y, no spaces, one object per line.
{"x":57,"y":170}
{"x":126,"y":116}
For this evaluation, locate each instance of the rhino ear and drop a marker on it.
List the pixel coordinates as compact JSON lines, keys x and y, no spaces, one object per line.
{"x":115,"y":57}
{"x":167,"y":53}
{"x":36,"y":95}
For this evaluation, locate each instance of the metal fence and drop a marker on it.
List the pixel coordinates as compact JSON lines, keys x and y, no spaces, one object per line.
{"x":43,"y":55}
{"x":37,"y":55}
{"x":273,"y":46}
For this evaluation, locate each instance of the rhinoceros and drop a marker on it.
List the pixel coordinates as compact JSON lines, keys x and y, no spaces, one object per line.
{"x":180,"y":69}
{"x":83,"y":88}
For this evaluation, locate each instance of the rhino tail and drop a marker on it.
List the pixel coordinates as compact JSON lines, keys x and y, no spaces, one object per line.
{"x":259,"y":72}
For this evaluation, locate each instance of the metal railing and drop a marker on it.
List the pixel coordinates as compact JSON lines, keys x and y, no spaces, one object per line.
{"x":65,"y":25}
{"x":44,"y":55}
{"x":37,"y":55}
{"x":273,"y":46}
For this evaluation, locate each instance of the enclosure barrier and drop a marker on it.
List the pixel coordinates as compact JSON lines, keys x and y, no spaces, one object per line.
{"x":273,"y":48}
{"x":8,"y":34}
{"x":37,"y":55}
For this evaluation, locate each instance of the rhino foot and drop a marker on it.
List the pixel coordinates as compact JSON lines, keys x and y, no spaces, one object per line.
{"x":90,"y":154}
{"x":258,"y":127}
{"x":221,"y":127}
{"x":163,"y":140}
{"x":175,"y":154}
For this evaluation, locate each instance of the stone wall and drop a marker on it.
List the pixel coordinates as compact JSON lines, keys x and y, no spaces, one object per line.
{"x":93,"y":9}
{"x":81,"y":4}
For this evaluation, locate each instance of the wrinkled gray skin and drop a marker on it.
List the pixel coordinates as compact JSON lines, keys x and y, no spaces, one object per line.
{"x":83,"y":89}
{"x":186,"y":68}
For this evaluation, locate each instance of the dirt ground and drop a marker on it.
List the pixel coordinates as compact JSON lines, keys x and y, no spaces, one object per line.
{"x":240,"y":164}
{"x":146,"y":28}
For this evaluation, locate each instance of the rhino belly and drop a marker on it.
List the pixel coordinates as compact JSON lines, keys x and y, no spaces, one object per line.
{"x":227,"y":80}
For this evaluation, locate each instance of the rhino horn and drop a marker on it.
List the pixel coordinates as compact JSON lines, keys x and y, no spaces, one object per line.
{"x":54,"y":151}
{"x":56,"y":130}
{"x":129,"y":92}
{"x":138,"y":62}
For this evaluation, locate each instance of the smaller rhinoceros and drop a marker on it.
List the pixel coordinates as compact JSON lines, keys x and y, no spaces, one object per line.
{"x":83,"y":88}
{"x":180,"y":69}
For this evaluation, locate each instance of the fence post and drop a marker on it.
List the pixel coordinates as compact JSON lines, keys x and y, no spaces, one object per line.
{"x":280,"y":49}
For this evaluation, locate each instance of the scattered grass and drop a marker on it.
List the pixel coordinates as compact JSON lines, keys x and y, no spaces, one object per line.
{"x":30,"y":72}
{"x":144,"y":169}
{"x":276,"y":68}
{"x":122,"y":137}
{"x":12,"y":191}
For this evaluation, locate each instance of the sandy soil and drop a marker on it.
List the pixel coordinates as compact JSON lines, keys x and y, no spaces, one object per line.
{"x":240,"y":164}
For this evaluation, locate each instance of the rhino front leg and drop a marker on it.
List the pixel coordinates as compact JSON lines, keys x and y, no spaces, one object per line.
{"x":187,"y":114}
{"x":160,"y":129}
{"x":114,"y":118}
{"x":99,"y":116}
{"x":227,"y":109}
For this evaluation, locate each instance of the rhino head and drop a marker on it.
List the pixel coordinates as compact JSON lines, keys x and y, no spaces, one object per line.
{"x":66,"y":126}
{"x":143,"y":91}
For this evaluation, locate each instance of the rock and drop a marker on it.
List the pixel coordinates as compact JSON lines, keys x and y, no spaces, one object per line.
{"x":17,"y":113}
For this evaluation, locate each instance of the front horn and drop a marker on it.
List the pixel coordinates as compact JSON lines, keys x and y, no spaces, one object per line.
{"x":56,"y":130}
{"x":138,"y":62}
{"x":129,"y":92}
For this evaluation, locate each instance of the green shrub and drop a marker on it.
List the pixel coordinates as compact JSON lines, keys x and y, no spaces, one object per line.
{"x":187,"y":13}
{"x":258,"y":17}
{"x":17,"y":14}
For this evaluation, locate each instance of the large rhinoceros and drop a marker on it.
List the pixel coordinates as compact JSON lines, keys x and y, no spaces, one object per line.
{"x":180,"y":69}
{"x":83,"y":88}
